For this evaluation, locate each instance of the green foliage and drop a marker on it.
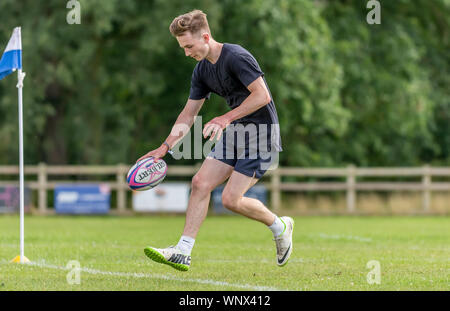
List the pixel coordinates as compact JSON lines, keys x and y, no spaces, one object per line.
{"x":293,"y":45}
{"x":109,"y":90}
{"x":389,"y":84}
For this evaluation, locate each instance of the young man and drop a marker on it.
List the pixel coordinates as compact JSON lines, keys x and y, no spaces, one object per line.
{"x":233,"y":73}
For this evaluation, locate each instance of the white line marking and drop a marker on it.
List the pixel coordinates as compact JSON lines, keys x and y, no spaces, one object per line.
{"x":343,"y":237}
{"x":159,"y":276}
{"x":241,"y":260}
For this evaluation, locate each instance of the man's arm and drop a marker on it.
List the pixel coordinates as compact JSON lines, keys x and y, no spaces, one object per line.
{"x":258,"y":98}
{"x":181,"y":127}
{"x":184,"y":121}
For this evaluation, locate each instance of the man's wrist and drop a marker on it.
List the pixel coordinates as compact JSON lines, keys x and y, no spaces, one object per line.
{"x":167,"y":145}
{"x":228,"y":118}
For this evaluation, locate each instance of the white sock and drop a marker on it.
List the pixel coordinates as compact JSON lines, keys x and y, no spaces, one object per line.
{"x":186,"y":244}
{"x":277,"y":227}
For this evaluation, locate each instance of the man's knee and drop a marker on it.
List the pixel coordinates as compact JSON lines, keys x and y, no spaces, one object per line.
{"x":200,"y":184}
{"x":230,"y":201}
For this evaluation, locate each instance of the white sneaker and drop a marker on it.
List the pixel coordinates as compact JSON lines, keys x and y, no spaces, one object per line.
{"x":284,"y":241}
{"x":170,"y":256}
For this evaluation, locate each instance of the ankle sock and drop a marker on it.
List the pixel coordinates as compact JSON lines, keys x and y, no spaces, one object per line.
{"x":186,"y":244}
{"x":277,"y":227}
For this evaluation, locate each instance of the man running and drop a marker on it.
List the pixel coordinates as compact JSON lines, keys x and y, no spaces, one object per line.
{"x":242,"y":154}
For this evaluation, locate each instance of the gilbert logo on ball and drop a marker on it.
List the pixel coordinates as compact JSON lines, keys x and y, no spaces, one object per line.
{"x":146,"y":174}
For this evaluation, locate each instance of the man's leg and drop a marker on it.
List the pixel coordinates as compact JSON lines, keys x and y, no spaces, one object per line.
{"x":233,"y":199}
{"x":282,"y":227}
{"x":211,"y":174}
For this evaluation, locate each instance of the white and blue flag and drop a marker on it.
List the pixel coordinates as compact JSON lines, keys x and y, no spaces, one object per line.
{"x":12,"y":56}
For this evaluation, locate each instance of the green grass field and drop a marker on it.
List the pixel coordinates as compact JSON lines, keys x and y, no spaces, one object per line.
{"x":230,"y":253}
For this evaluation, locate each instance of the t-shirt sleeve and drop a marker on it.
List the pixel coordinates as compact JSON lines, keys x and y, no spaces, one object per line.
{"x":246,"y":68}
{"x":198,"y":89}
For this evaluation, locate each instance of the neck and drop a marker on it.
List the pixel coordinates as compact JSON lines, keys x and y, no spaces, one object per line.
{"x":215,"y":48}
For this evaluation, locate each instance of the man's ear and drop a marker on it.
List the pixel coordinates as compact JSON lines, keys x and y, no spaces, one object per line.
{"x":205,"y":37}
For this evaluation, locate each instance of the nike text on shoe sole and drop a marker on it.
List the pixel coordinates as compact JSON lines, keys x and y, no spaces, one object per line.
{"x":174,"y":261}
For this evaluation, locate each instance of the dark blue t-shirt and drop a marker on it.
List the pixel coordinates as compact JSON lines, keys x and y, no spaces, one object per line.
{"x":229,"y":77}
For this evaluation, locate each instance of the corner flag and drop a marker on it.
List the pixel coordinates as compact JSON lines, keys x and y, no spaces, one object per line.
{"x":12,"y":56}
{"x":11,"y":61}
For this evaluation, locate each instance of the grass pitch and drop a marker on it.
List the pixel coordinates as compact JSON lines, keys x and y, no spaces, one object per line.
{"x":230,"y":253}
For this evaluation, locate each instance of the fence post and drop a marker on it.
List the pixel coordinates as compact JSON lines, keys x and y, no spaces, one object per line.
{"x":351,"y":192}
{"x":426,"y":186}
{"x":275,"y":197}
{"x":121,"y":188}
{"x":42,"y":192}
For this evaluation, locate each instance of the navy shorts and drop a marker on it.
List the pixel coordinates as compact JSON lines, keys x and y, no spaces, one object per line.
{"x":247,"y":148}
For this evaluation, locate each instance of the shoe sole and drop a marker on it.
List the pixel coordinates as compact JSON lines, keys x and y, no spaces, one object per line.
{"x":290,"y":250}
{"x":159,"y":258}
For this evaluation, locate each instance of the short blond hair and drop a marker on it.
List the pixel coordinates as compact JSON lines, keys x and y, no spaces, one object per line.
{"x":194,"y":22}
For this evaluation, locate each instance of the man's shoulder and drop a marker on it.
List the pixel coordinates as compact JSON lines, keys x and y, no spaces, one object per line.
{"x":236,"y":49}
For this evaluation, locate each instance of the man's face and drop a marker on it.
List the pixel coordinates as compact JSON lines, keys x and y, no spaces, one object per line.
{"x":194,"y":45}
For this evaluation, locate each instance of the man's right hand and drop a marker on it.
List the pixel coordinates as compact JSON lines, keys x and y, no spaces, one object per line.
{"x":157,"y":153}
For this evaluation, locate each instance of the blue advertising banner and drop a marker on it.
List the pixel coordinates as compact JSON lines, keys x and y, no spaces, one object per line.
{"x":82,"y":199}
{"x":256,"y":192}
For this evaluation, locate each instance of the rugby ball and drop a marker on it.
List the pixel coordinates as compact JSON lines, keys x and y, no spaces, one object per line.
{"x":146,"y":174}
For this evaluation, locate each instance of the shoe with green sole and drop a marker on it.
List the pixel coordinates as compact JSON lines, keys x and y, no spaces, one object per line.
{"x":284,"y":241}
{"x":170,"y":256}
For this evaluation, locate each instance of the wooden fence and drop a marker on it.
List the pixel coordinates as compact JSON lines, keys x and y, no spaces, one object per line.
{"x":274,"y":181}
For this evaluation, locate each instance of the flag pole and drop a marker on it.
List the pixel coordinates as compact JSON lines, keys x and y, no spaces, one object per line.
{"x":11,"y":61}
{"x":20,"y":77}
